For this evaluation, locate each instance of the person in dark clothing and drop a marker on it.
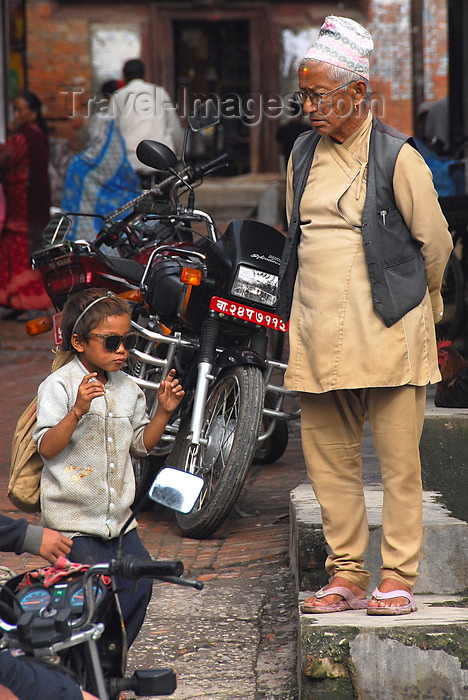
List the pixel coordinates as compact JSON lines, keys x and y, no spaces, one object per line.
{"x":21,"y":679}
{"x":30,"y":680}
{"x":18,"y":536}
{"x":24,"y":162}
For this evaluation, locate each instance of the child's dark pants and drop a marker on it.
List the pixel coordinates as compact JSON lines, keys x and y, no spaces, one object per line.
{"x":94,"y":550}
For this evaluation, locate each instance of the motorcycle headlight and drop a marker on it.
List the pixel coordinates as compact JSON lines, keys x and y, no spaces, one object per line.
{"x":255,"y":285}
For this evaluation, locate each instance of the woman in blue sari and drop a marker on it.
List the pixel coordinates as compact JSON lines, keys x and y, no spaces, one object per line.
{"x":99,"y":179}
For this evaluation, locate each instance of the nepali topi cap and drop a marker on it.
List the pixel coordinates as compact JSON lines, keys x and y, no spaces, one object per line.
{"x":344,"y":43}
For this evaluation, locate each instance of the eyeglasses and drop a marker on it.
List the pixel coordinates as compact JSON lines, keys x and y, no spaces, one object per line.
{"x":112,"y":342}
{"x":302,"y":95}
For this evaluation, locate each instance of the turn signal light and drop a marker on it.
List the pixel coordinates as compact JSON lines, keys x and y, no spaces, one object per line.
{"x":191,"y":276}
{"x":38,"y":325}
{"x":131,"y":295}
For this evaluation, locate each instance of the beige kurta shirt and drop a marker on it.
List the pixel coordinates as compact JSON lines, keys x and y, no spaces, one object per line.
{"x":337,"y":340}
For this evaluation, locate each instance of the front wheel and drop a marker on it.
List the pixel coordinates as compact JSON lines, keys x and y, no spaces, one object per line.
{"x":233,"y":414}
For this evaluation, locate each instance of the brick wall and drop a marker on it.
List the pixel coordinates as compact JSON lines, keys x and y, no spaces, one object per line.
{"x":58,"y":63}
{"x":435,"y":50}
{"x":391,"y":62}
{"x":59,"y":60}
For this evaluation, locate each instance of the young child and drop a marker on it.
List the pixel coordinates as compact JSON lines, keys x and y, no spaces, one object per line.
{"x":90,"y":419}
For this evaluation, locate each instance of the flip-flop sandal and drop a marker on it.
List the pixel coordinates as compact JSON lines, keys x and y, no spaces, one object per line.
{"x":392,"y":610}
{"x":349,"y":602}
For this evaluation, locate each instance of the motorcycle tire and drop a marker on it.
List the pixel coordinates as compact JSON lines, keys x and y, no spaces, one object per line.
{"x":271,"y":449}
{"x":232,"y":420}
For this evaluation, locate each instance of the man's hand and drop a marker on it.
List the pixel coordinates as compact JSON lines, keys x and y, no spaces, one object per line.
{"x":54,"y":545}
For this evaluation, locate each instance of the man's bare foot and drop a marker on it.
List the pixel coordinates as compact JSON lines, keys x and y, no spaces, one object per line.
{"x":387,"y":585}
{"x":333,"y":597}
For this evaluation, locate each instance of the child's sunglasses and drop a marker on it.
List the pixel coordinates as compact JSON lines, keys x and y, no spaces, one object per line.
{"x":112,"y":342}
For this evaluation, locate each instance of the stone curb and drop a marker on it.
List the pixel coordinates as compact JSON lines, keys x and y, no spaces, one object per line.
{"x":422,"y":656}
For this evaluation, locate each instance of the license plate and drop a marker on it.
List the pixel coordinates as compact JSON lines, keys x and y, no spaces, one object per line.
{"x":247,"y":313}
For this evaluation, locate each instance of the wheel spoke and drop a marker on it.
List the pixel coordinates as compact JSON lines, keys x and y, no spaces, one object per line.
{"x":232,"y":419}
{"x":223,"y":412}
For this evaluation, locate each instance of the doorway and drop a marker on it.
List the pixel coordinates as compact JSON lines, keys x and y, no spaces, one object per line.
{"x":213,"y":58}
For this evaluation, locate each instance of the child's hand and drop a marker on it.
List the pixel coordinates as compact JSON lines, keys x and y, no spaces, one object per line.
{"x":87,"y":391}
{"x":170,"y":393}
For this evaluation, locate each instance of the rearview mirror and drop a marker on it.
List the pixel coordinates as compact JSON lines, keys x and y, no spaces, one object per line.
{"x":57,"y":229}
{"x":156,"y":155}
{"x":176,"y":489}
{"x":204,"y":117}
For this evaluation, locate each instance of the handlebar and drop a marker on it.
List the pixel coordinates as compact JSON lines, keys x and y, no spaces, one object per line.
{"x":112,"y":230}
{"x":60,"y":624}
{"x":158,"y":190}
{"x":133,"y":569}
{"x":196,"y":172}
{"x":190,"y":174}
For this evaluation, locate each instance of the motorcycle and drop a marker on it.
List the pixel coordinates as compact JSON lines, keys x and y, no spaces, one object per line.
{"x":207,"y":306}
{"x":202,"y":302}
{"x":71,"y":616}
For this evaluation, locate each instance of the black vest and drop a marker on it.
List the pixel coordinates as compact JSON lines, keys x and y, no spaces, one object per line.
{"x":394,"y":260}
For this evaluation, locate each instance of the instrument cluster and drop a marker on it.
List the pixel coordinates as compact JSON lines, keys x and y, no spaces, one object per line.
{"x":36,"y":597}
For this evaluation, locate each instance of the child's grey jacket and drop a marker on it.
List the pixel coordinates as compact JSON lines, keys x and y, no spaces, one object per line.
{"x":89,"y":487}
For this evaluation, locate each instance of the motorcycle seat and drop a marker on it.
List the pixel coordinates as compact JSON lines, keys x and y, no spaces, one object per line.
{"x":130,"y":269}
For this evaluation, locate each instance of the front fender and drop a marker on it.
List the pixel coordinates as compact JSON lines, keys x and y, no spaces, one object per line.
{"x":235,"y":356}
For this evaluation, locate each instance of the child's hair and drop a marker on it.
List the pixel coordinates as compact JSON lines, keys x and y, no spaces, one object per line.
{"x":93,"y":313}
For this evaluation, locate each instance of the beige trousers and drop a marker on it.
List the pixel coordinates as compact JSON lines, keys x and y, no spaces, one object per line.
{"x":331,"y":425}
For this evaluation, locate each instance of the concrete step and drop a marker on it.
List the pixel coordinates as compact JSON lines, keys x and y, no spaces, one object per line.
{"x":253,"y":196}
{"x":444,"y":554}
{"x":422,"y":656}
